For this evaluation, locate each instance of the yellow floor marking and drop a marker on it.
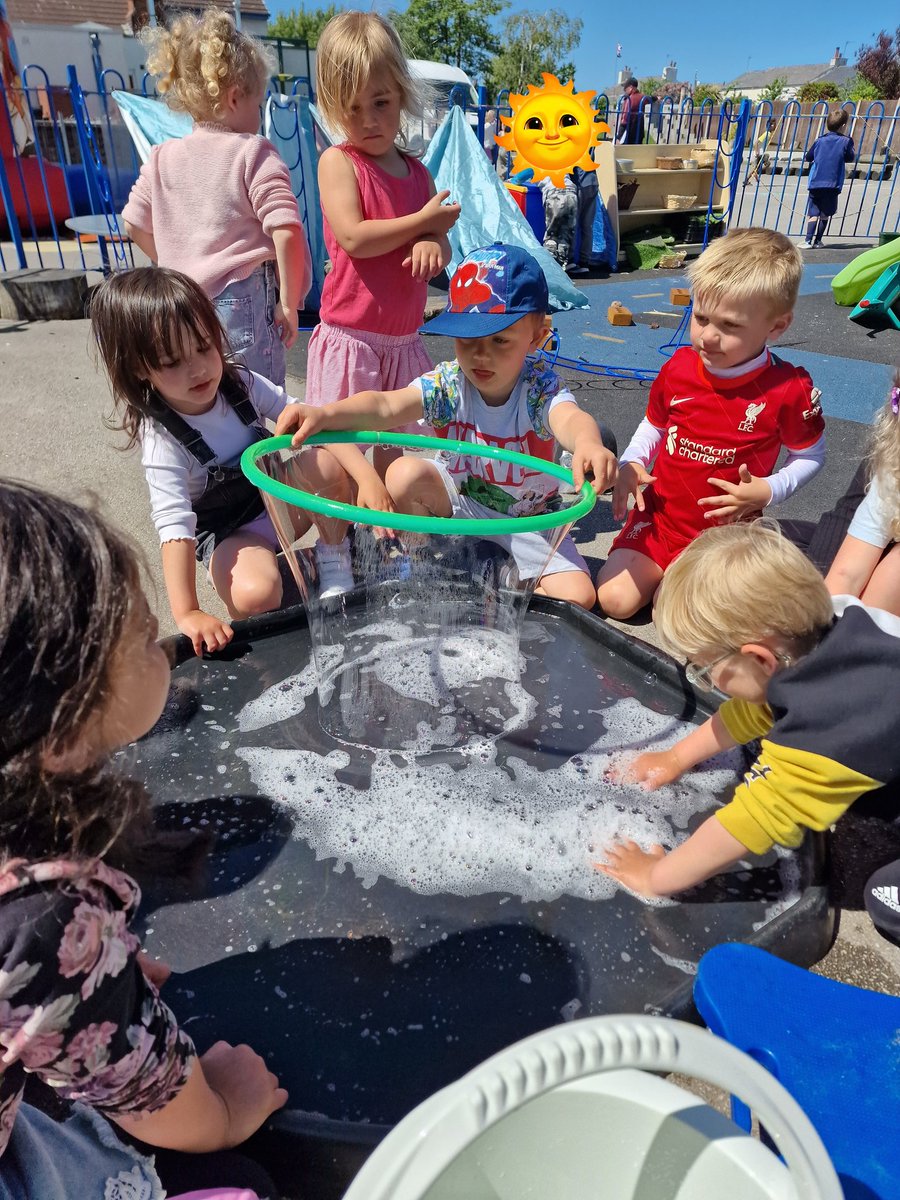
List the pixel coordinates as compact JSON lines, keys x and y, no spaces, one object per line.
{"x":646,"y":295}
{"x":603,"y":338}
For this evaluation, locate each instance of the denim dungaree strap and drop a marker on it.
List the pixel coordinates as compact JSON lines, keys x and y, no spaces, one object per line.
{"x":229,"y":499}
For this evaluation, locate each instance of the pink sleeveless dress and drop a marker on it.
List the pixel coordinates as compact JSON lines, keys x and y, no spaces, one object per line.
{"x":371,"y":307}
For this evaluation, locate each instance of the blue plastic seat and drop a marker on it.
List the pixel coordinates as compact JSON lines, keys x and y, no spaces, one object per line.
{"x":834,"y":1047}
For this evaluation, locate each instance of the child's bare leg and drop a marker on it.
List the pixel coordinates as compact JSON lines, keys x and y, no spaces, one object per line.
{"x":417,"y":486}
{"x":245,"y":574}
{"x":883,"y":588}
{"x":627,"y":581}
{"x":317,"y":470}
{"x":383,"y":456}
{"x":574,"y":586}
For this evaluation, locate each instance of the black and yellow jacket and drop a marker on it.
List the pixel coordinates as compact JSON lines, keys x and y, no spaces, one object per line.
{"x":830,"y":732}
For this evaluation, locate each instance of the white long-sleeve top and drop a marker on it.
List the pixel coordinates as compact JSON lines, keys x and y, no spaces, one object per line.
{"x":176,"y":479}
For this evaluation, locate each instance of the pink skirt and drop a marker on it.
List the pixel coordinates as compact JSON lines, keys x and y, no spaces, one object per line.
{"x":343,"y":361}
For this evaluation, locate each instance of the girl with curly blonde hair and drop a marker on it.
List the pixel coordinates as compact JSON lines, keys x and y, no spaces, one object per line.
{"x":217,"y":204}
{"x":868,"y":562}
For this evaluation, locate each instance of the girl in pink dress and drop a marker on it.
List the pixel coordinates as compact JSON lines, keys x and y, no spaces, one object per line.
{"x":385,"y":229}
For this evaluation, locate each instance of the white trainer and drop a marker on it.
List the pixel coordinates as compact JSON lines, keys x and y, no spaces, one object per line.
{"x":335,"y":571}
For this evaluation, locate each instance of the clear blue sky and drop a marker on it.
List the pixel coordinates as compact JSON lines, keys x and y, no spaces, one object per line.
{"x":716,"y":47}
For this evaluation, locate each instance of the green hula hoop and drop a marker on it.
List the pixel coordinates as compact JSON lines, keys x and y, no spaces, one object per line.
{"x":477,"y":527}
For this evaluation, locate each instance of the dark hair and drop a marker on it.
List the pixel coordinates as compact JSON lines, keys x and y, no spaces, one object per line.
{"x":836,"y":121}
{"x":630,"y":82}
{"x":68,"y":583}
{"x":139,"y":318}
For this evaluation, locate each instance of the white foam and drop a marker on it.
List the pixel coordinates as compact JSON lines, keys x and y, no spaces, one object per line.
{"x":484,"y":828}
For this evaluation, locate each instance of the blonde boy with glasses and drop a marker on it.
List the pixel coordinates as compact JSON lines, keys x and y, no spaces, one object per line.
{"x":813,"y":676}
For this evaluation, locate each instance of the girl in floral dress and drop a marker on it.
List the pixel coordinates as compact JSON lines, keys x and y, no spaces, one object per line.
{"x":81,"y":674}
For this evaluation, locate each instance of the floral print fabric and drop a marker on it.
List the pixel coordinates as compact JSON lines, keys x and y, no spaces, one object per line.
{"x":75,"y":1007}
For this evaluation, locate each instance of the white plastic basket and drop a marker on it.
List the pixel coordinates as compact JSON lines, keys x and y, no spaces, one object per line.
{"x":568,"y":1114}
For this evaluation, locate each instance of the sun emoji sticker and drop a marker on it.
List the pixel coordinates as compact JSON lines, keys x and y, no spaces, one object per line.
{"x":552,"y":130}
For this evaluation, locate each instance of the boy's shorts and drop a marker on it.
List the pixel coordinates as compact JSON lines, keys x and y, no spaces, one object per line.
{"x":643,"y":532}
{"x":823,"y":202}
{"x":528,"y":549}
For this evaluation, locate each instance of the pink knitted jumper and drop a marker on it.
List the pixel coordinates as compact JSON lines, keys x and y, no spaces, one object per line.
{"x":377,"y":294}
{"x":212,"y":200}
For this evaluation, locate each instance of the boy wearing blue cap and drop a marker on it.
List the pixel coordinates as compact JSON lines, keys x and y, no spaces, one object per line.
{"x":492,"y":394}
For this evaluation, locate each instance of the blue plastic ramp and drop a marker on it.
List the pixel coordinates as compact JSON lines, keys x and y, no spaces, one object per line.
{"x":881,"y":297}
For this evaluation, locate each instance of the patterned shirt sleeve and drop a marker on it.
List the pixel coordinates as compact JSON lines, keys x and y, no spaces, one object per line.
{"x":75,"y":1007}
{"x":541,"y":385}
{"x":440,"y":394}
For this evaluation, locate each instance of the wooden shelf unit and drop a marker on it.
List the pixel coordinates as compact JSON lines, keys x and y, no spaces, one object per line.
{"x":654,"y":183}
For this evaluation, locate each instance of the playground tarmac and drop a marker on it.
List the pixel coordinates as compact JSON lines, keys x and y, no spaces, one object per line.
{"x":53,"y":401}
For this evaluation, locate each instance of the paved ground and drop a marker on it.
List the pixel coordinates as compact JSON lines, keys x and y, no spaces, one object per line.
{"x":52,"y":404}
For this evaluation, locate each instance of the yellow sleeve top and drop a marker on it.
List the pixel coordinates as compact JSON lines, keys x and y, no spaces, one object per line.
{"x":830,"y":732}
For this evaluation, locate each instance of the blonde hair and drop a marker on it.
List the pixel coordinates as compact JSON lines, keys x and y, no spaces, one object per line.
{"x":199,"y":59}
{"x":736,"y":584}
{"x":884,"y":459}
{"x":756,"y":266}
{"x":352,"y":48}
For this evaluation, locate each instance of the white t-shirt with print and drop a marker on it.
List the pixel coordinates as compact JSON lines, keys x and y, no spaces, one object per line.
{"x":456,"y":410}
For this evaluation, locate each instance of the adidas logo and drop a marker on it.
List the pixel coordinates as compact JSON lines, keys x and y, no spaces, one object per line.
{"x":888,"y":896}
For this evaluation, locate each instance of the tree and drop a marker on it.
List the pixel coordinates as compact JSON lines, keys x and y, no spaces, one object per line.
{"x":705,"y":91}
{"x":858,"y":90}
{"x":302,"y":24}
{"x":774,"y":90}
{"x":535,"y":42}
{"x":451,"y":31}
{"x":651,"y":86}
{"x":880,"y":65}
{"x":812,"y":93}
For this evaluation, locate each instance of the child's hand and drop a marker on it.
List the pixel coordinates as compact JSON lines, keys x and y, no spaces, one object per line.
{"x":631,"y":866}
{"x":247,"y":1088}
{"x":286,"y":321}
{"x":206,"y":632}
{"x":374,"y":495}
{"x":590,"y":456}
{"x":631,"y":480}
{"x":424,"y":260}
{"x":306,"y":419}
{"x":438,"y":217}
{"x":751,"y":495}
{"x":653,"y":769}
{"x":154,"y":972}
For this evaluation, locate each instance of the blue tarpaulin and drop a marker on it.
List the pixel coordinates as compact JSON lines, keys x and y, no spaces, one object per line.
{"x":489,"y":213}
{"x":150,"y":121}
{"x":289,"y":127}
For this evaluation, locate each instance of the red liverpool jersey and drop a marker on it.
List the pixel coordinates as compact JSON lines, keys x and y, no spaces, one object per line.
{"x":712,"y":425}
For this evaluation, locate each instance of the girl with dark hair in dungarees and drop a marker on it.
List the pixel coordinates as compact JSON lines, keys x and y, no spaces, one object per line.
{"x":194,"y":411}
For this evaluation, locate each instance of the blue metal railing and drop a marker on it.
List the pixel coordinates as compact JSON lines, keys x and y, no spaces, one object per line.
{"x":773,"y":188}
{"x":80,"y":160}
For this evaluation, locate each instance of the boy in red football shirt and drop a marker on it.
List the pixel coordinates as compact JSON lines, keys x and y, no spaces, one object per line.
{"x":718,"y":415}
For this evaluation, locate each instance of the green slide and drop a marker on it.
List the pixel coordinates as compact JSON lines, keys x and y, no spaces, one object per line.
{"x":850,"y":285}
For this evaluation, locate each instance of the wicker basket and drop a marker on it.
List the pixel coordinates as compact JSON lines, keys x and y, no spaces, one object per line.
{"x":625,"y":193}
{"x":704,"y":158}
{"x":669,"y":164}
{"x":680,"y":202}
